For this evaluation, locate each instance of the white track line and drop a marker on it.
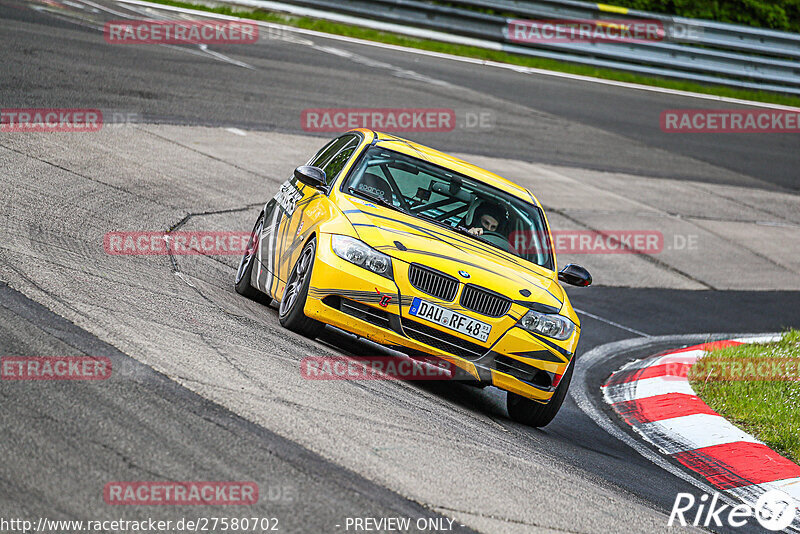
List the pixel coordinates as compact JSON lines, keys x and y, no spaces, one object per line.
{"x":612,"y":323}
{"x":462,"y":59}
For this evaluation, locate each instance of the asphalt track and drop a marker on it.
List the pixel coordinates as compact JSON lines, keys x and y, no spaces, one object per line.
{"x":207,"y":387}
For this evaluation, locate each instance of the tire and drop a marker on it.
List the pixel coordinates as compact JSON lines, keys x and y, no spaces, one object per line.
{"x":536,"y":414}
{"x":290,"y":311}
{"x":243,"y":274}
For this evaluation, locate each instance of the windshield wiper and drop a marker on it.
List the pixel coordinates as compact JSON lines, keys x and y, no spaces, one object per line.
{"x":374,"y":198}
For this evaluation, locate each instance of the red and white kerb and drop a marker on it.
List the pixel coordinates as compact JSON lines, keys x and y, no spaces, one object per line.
{"x":654,"y":397}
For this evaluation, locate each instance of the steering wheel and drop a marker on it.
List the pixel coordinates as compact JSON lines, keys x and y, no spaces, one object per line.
{"x":496,"y":238}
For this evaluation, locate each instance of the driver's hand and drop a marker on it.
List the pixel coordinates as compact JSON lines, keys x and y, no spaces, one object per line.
{"x":476,"y":231}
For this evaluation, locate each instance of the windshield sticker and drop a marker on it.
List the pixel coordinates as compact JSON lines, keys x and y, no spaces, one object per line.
{"x":372,"y":190}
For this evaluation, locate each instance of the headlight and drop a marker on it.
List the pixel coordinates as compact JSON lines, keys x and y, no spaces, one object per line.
{"x":550,"y":325}
{"x":358,"y":252}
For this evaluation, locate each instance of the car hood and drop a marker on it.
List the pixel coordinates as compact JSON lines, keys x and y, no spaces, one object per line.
{"x":415,"y":240}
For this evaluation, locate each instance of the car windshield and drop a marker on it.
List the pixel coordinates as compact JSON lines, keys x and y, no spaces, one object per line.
{"x":447,"y":198}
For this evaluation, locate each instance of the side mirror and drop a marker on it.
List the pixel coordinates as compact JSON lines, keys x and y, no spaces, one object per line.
{"x":313,"y":176}
{"x":575,"y":275}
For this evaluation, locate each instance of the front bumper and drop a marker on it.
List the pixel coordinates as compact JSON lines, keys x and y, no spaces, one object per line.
{"x":376,"y":308}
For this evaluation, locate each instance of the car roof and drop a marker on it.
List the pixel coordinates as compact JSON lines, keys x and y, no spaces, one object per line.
{"x":410,"y":148}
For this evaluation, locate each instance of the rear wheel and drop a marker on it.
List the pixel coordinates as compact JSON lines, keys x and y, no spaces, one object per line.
{"x":290,"y":312}
{"x":536,"y":414}
{"x":243,"y":286}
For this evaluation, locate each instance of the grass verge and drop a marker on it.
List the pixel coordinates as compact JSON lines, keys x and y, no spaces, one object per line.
{"x":481,"y":53}
{"x":768,"y":409}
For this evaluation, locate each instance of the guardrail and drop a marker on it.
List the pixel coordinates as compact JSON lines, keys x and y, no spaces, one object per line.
{"x":693,"y":31}
{"x":692,"y":49}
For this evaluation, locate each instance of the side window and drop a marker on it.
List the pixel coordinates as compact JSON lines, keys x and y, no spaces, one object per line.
{"x":327,"y":152}
{"x":337,"y":162}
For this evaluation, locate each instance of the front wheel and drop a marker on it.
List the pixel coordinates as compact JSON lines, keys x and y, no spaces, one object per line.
{"x":290,"y":312}
{"x":532,"y":413}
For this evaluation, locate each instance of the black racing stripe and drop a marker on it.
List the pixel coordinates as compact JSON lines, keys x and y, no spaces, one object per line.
{"x":424,"y":230}
{"x":364,"y":296}
{"x":345,"y":292}
{"x":287,"y":253}
{"x":565,"y":353}
{"x":304,"y":202}
{"x":446,"y":257}
{"x":274,"y":251}
{"x":284,"y":257}
{"x":299,"y":217}
{"x":470,"y":242}
{"x":440,"y":236}
{"x":453,"y":239}
{"x":538,"y":306}
{"x":543,"y":355}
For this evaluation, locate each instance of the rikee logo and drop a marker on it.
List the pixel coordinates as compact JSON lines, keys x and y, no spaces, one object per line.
{"x":774,"y":510}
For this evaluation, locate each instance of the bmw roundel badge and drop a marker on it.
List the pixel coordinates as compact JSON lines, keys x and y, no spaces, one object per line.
{"x":464,"y":274}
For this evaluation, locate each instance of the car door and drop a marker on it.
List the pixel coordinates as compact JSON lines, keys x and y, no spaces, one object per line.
{"x":291,"y":215}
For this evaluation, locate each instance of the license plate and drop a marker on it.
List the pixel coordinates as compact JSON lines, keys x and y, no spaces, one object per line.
{"x":450,"y":319}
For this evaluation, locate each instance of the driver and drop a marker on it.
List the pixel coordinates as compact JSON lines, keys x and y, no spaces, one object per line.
{"x":489,"y":217}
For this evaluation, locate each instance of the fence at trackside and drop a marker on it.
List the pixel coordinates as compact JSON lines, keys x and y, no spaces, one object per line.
{"x":691,"y":49}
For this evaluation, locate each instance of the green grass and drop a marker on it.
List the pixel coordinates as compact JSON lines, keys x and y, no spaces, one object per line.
{"x":491,"y":55}
{"x":770,"y":410}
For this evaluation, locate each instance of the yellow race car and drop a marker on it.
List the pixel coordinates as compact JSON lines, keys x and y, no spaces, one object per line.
{"x":424,"y":253}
